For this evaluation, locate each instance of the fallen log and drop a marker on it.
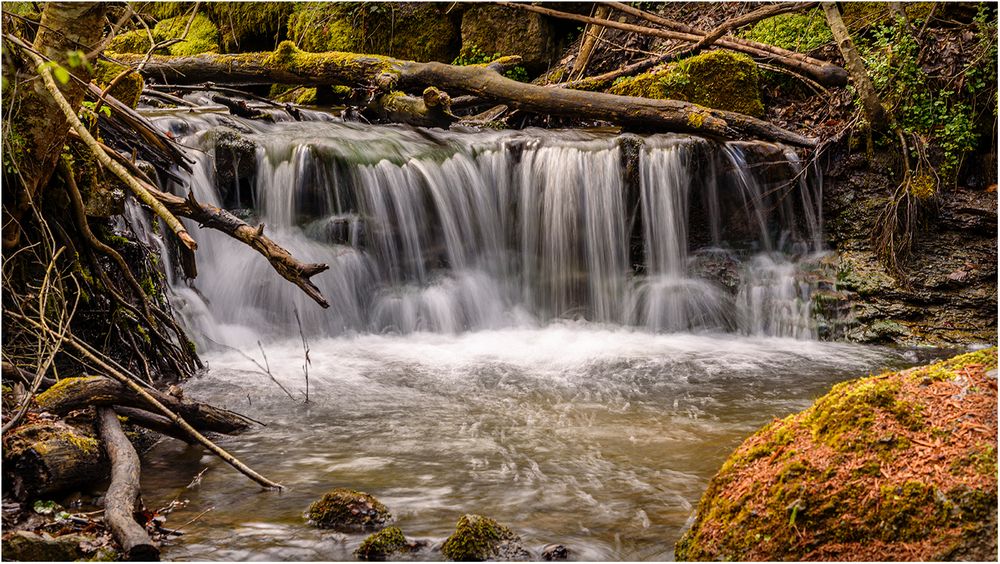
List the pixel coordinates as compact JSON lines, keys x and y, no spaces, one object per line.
{"x":77,"y":393}
{"x":122,"y":496}
{"x":288,"y":65}
{"x":46,"y":457}
{"x":153,"y":422}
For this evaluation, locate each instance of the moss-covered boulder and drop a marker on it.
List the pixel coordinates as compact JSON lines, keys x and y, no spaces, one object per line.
{"x":899,"y":466}
{"x":381,"y":545}
{"x":127,"y":90}
{"x":348,"y":511}
{"x":405,"y":30}
{"x":202,"y":37}
{"x":26,"y":546}
{"x":721,"y":79}
{"x":509,"y":31}
{"x":250,"y":26}
{"x":477,"y":538}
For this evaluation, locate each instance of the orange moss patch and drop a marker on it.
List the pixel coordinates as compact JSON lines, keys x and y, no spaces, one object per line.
{"x":899,"y":466}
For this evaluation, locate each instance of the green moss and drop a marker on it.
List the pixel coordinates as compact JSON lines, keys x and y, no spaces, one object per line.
{"x":382,"y":544}
{"x":136,"y":41}
{"x":947,"y":370}
{"x":476,"y":538}
{"x":797,"y":32}
{"x":58,"y":391}
{"x":721,"y":79}
{"x":128,"y":88}
{"x":249,"y":26}
{"x":909,"y":512}
{"x":202,"y":37}
{"x":410,"y":31}
{"x":347,"y":510}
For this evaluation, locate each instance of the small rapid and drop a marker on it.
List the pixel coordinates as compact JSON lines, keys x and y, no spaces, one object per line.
{"x":567,"y":331}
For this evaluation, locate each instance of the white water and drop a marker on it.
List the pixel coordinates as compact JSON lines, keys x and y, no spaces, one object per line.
{"x":519,"y":326}
{"x":451,"y":232}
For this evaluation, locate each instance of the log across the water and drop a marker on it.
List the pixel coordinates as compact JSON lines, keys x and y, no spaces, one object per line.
{"x":289,"y":65}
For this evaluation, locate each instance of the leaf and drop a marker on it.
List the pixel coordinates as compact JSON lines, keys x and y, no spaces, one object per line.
{"x":46,"y":507}
{"x":61,"y":74}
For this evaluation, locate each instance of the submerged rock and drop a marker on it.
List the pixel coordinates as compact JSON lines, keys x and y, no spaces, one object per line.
{"x":552,"y":552}
{"x":900,"y":466}
{"x":477,"y":538}
{"x":381,"y":545}
{"x":349,"y":511}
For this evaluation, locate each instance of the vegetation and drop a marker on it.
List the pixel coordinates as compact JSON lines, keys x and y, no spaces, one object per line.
{"x":347,"y":510}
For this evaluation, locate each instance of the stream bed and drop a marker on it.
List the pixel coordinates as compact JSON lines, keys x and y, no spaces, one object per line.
{"x":597,"y":437}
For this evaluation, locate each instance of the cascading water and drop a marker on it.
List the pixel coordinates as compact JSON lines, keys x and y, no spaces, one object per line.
{"x":565,"y":330}
{"x":451,"y":232}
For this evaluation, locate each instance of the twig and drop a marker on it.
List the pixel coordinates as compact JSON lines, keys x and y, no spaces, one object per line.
{"x":305,"y":348}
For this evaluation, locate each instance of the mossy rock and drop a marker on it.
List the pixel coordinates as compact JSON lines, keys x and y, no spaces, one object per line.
{"x":406,"y":30}
{"x":499,"y":29}
{"x":26,"y":546}
{"x":477,"y":538}
{"x":202,"y":37}
{"x":250,"y":26}
{"x":381,"y":545}
{"x":721,"y":79}
{"x":127,"y":90}
{"x":854,"y":476}
{"x":801,"y":32}
{"x":348,"y":511}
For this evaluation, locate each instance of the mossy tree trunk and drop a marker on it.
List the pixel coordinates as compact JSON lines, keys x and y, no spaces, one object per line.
{"x":288,"y":65}
{"x":37,"y":121}
{"x":856,"y":66}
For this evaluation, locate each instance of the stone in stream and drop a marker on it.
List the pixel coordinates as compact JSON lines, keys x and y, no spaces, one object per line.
{"x":381,"y":545}
{"x":552,"y":552}
{"x":349,"y":511}
{"x":477,"y":538}
{"x":27,"y":546}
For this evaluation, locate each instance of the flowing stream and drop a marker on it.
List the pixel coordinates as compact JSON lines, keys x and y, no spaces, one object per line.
{"x":567,"y":331}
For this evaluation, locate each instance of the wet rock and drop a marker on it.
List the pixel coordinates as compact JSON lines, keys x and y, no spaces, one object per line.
{"x":552,"y":552}
{"x":477,"y":538}
{"x":850,"y":478}
{"x":381,"y":545}
{"x":349,"y":511}
{"x":32,"y":547}
{"x":235,"y":168}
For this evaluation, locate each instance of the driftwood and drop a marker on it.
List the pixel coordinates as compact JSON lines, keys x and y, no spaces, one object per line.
{"x":288,"y":65}
{"x":122,"y":496}
{"x":78,"y":393}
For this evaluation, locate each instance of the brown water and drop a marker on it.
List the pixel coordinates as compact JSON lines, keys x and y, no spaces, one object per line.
{"x":601,"y":439}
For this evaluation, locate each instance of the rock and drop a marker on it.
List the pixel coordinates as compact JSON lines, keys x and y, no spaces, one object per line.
{"x":555,"y":552}
{"x":720,"y":79}
{"x":202,"y":37}
{"x":415,"y":31}
{"x":381,"y":545}
{"x":31,"y":547}
{"x":235,"y":168}
{"x":477,"y":538}
{"x":349,"y":511}
{"x":881,"y":468}
{"x":127,"y":90}
{"x":530,"y":35}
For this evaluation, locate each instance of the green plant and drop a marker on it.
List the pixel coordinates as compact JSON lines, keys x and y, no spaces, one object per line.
{"x":473,"y":55}
{"x":798,"y":32}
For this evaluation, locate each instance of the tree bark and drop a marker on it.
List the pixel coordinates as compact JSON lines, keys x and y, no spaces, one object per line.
{"x":122,"y":496}
{"x":589,"y":41}
{"x":78,"y":393}
{"x":37,"y":119}
{"x":288,"y":65}
{"x":856,"y":66}
{"x":153,"y":422}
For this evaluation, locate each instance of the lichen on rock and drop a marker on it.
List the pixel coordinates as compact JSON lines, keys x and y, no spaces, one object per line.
{"x":866,"y":473}
{"x":477,"y":538}
{"x":347,"y":511}
{"x":720,"y":79}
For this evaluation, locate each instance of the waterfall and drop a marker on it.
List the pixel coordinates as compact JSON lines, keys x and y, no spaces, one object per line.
{"x":451,"y":231}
